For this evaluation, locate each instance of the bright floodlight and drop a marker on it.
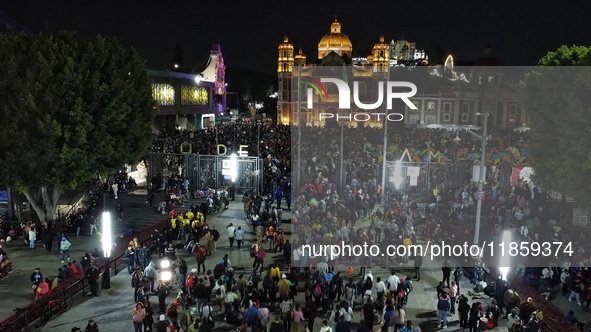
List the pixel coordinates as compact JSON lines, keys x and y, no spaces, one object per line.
{"x":198,"y":79}
{"x":106,"y":237}
{"x":166,"y":276}
{"x":165,"y":264}
{"x":233,"y":167}
{"x":504,"y":272}
{"x":398,"y":173}
{"x":505,"y":257}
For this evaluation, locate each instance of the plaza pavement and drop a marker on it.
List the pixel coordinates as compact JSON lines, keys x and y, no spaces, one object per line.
{"x":112,"y":309}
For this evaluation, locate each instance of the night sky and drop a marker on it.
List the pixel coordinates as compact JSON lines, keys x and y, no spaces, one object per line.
{"x":520,"y":32}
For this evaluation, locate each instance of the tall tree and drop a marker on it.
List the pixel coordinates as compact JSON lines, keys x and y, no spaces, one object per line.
{"x":70,"y":110}
{"x":557,"y":98}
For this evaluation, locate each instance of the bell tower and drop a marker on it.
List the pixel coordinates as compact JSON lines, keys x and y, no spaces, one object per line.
{"x":285,"y":58}
{"x":285,"y":65}
{"x":380,"y":56}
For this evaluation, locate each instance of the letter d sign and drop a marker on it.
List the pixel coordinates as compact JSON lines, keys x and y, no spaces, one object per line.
{"x":220,"y":147}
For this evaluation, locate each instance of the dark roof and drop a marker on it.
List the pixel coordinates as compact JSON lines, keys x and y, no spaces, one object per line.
{"x":7,"y":23}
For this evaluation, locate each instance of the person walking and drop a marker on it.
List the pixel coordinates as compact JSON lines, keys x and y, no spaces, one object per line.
{"x":32,"y":238}
{"x":463,"y":311}
{"x":137,"y":316}
{"x":418,"y":265}
{"x":239,"y":236}
{"x":231,"y":234}
{"x":65,"y":248}
{"x":91,"y":327}
{"x":92,"y":274}
{"x":443,"y":306}
{"x":453,"y":292}
{"x":163,"y":291}
{"x":446,"y":270}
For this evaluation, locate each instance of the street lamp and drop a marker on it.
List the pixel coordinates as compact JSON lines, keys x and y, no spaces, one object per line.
{"x":482,"y":175}
{"x":482,"y":170}
{"x":166,"y":274}
{"x":504,"y":265}
{"x":107,"y":243}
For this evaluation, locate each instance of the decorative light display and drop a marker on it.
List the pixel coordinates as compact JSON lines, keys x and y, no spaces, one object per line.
{"x":194,"y":95}
{"x":163,"y":94}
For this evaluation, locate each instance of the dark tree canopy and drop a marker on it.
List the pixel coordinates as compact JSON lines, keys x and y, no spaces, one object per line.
{"x":70,"y":110}
{"x":557,"y":99}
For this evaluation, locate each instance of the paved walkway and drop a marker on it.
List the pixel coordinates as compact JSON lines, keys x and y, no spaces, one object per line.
{"x":17,"y":285}
{"x":112,"y":309}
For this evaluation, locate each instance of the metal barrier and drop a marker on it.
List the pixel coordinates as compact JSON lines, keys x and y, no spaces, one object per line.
{"x":201,"y":170}
{"x":79,"y":284}
{"x":428,"y":175}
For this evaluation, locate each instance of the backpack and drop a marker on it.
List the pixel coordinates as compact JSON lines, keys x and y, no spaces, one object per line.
{"x":388,"y":316}
{"x":216,"y":235}
{"x":368,"y":283}
{"x":190,"y":281}
{"x":252,"y":251}
{"x":218,"y":291}
{"x":200,"y":255}
{"x":133,"y":279}
{"x":172,"y":311}
{"x":317,"y":291}
{"x":401,"y":292}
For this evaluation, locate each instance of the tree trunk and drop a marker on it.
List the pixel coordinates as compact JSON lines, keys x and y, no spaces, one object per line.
{"x":45,"y":204}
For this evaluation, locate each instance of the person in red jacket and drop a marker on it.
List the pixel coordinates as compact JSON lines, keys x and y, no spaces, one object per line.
{"x":73,"y":268}
{"x":43,"y":288}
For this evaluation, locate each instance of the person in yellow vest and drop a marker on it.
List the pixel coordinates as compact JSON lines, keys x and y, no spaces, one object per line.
{"x":407,"y":243}
{"x":275,"y":272}
{"x":195,"y":224}
{"x":173,"y":226}
{"x":200,"y":217}
{"x":190,"y":215}
{"x":134,"y":243}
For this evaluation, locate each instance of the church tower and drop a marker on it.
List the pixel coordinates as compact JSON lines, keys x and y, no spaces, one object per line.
{"x":285,"y":59}
{"x":380,"y":57}
{"x":285,"y":63}
{"x":300,"y":58}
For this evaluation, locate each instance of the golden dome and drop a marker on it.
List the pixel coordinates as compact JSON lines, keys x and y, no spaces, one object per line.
{"x":335,"y":41}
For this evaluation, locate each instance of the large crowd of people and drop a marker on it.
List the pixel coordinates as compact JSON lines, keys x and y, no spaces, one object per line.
{"x":334,"y":287}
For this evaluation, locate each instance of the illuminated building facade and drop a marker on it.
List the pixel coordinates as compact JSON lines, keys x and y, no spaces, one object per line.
{"x":452,"y":101}
{"x":190,"y":101}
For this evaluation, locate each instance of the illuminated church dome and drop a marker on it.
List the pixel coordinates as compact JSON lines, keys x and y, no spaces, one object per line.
{"x":335,"y":41}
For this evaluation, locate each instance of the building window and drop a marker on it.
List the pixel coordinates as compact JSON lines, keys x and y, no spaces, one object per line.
{"x":194,"y":96}
{"x":447,"y":107}
{"x":163,"y":94}
{"x":465,"y":117}
{"x":466,"y":108}
{"x":512,"y":114}
{"x":447,"y":117}
{"x":512,"y":109}
{"x":416,"y":103}
{"x":413,"y":119}
{"x":430,"y":119}
{"x":431,"y":106}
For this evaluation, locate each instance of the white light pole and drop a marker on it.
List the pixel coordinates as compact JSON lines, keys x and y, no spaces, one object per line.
{"x":107,"y":243}
{"x":299,"y":171}
{"x":166,"y":274}
{"x":482,"y":175}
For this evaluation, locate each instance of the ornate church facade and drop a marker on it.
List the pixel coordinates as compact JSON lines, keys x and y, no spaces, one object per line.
{"x":453,"y":99}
